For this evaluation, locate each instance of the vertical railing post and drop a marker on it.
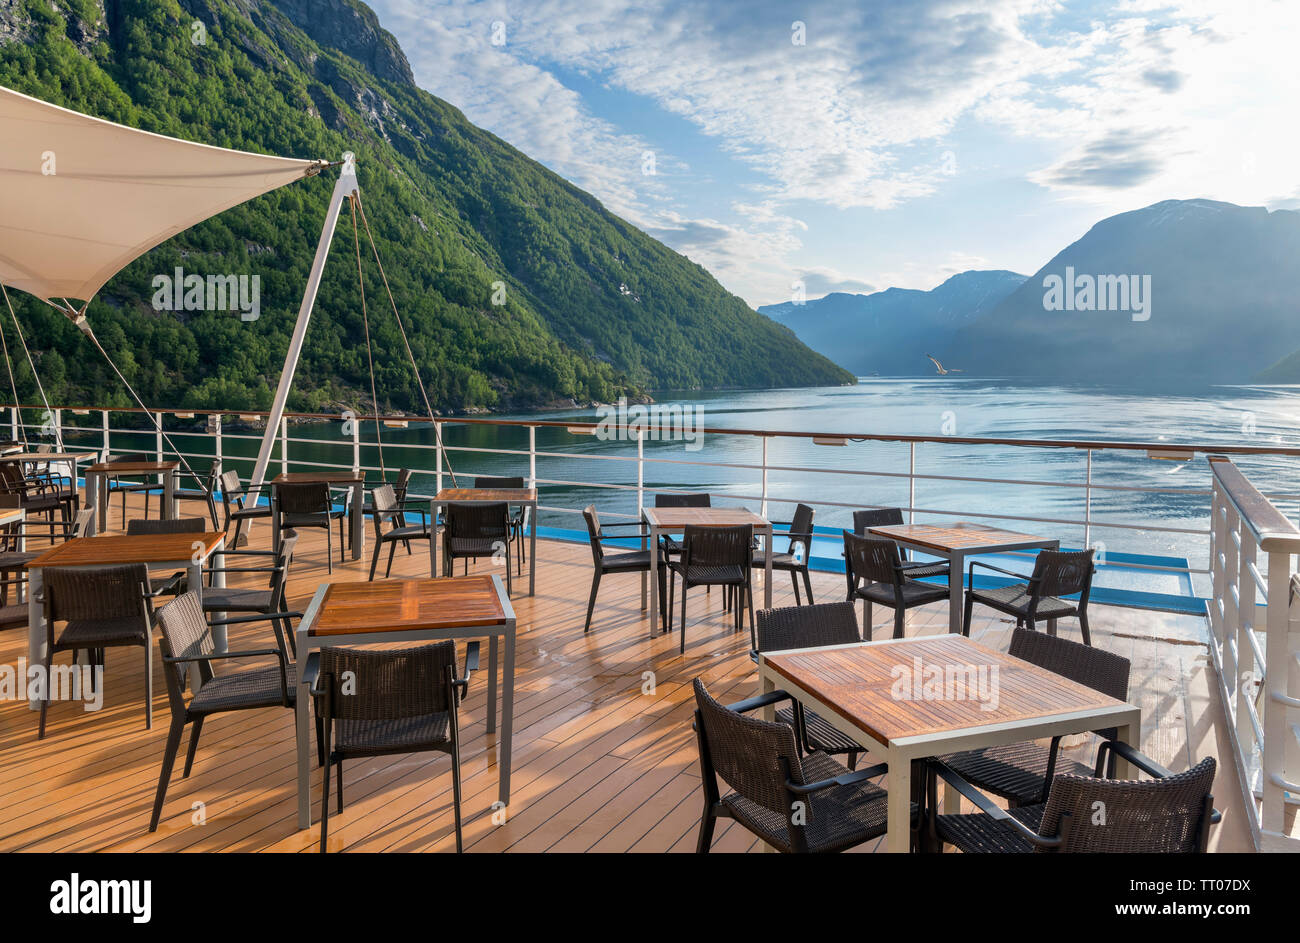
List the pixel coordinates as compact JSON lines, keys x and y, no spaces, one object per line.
{"x":532,"y":456}
{"x":911,"y":482}
{"x":219,"y":457}
{"x":158,"y":436}
{"x":1274,"y":749}
{"x":640,"y":507}
{"x":1231,"y":593}
{"x":284,"y":445}
{"x":1216,"y":562}
{"x":106,"y":444}
{"x":1087,"y":504}
{"x":763,"y":507}
{"x":438,"y":449}
{"x":13,"y":422}
{"x":356,"y":447}
{"x":1245,"y":667}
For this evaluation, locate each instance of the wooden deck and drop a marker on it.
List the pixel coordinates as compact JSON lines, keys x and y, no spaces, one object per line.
{"x":604,"y":757}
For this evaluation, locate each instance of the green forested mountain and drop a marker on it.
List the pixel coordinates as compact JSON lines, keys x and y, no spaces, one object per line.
{"x":593,"y":306}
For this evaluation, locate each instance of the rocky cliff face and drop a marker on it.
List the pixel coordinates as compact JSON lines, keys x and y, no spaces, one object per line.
{"x":352,"y":29}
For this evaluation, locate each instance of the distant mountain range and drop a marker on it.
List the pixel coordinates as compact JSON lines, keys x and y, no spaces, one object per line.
{"x":1183,"y":291}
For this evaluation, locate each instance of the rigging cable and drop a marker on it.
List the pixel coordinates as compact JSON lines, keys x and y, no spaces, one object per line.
{"x":49,"y":413}
{"x":442,"y":450}
{"x":365,"y":320}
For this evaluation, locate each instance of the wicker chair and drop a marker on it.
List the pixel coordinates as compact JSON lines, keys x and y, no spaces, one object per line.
{"x":886,"y":517}
{"x":400,"y":486}
{"x":761,"y":763}
{"x":118,"y":485}
{"x":877,"y":563}
{"x":476,"y":530}
{"x":308,"y":504}
{"x":264,"y":601}
{"x":811,"y":626}
{"x":240,"y":504}
{"x":671,"y":546}
{"x":387,"y":510}
{"x":14,"y":538}
{"x":37,"y":496}
{"x":179,"y":525}
{"x":632,"y":561}
{"x":518,"y":517}
{"x":400,"y":701}
{"x":187,"y":643}
{"x":1022,"y":773}
{"x":1170,"y":814}
{"x":800,"y":532}
{"x":1056,"y":574}
{"x":715,"y":556}
{"x":205,"y":492}
{"x":109,"y":607}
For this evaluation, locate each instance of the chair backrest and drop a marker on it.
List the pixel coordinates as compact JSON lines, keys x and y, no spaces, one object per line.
{"x":111,"y":592}
{"x":133,"y":457}
{"x":383,"y":498}
{"x":801,"y":523}
{"x":491,"y":482}
{"x":1058,"y":573}
{"x":185,"y":634}
{"x":82,"y":522}
{"x":11,"y":477}
{"x":682,"y":501}
{"x":308,"y":497}
{"x":11,"y":500}
{"x":717,"y":546}
{"x":487,"y":521}
{"x":812,"y":626}
{"x":747,"y":753}
{"x":1168,"y":816}
{"x":875,"y":517}
{"x":231,"y":486}
{"x":181,"y":525}
{"x":403,"y":482}
{"x":390,"y":684}
{"x":593,"y":533}
{"x":280,"y":578}
{"x":1095,"y":667}
{"x":875,"y":559}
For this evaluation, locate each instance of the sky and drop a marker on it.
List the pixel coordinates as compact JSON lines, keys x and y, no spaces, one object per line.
{"x":853,"y":146}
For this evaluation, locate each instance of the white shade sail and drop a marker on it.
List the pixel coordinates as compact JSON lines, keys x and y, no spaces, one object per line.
{"x":80,"y":197}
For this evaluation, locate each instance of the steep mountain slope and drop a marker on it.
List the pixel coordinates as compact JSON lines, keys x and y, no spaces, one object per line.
{"x":1223,"y":290}
{"x":517,"y":288}
{"x":891,"y":331}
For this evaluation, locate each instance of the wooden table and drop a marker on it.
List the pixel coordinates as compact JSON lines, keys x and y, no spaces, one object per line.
{"x":97,"y":476}
{"x":956,"y":543}
{"x":867,"y":691}
{"x":410,"y":611}
{"x":675,"y":521}
{"x":354,"y":481}
{"x":520,"y":497}
{"x":188,"y":551}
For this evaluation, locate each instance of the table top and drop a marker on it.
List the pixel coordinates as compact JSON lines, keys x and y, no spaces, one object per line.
{"x":49,"y":456}
{"x":485,"y":495}
{"x":329,"y":478}
{"x":881,"y":687}
{"x":132,"y":468}
{"x":11,"y":515}
{"x":123,"y":548}
{"x":678,"y":518}
{"x":398,"y":605}
{"x":959,"y":536}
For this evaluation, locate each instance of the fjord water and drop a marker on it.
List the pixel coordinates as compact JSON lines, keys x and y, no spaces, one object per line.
{"x":604,"y":472}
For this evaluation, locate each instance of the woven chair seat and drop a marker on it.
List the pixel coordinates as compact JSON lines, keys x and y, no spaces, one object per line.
{"x":838,"y":818}
{"x":237,"y":690}
{"x":197,"y":494}
{"x":780,"y":561}
{"x":980,"y":834}
{"x":917,"y":570}
{"x":410,"y":532}
{"x":16,"y":559}
{"x":475,"y":546}
{"x":216,"y":599}
{"x":135,"y":486}
{"x":96,"y":633}
{"x":821,"y":735}
{"x":633,"y":560}
{"x":1015,"y":599}
{"x":1016,"y":771}
{"x":309,"y":520}
{"x":256,"y":510}
{"x":914,"y":594}
{"x":697,"y":575}
{"x":11,"y":617}
{"x":43,"y":502}
{"x":394,"y":735}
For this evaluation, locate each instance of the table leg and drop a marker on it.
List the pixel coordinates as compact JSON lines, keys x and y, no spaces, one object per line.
{"x":899,"y":806}
{"x":357,"y":520}
{"x":507,"y":712}
{"x":767,"y":569}
{"x":492,"y":685}
{"x":1130,"y":733}
{"x":644,"y":576}
{"x":532,"y":551}
{"x":766,"y":686}
{"x":99,"y":501}
{"x":169,"y":496}
{"x":217,"y":561}
{"x":956,"y":594}
{"x":36,"y":641}
{"x":655,"y":601}
{"x":434,"y":510}
{"x":302,"y":718}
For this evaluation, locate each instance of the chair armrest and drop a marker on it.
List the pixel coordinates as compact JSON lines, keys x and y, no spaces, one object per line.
{"x":311,"y":673}
{"x":256,"y":617}
{"x":986,"y":805}
{"x":989,"y":566}
{"x":216,"y":656}
{"x":849,"y":779}
{"x":1136,"y":757}
{"x":242,"y":569}
{"x":763,"y":700}
{"x":246,"y":553}
{"x":471,"y":664}
{"x":645,"y":531}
